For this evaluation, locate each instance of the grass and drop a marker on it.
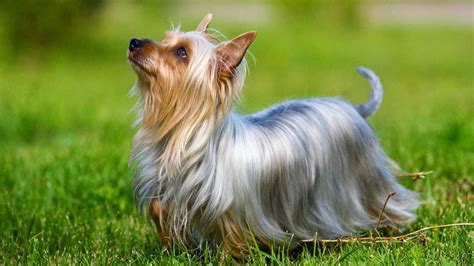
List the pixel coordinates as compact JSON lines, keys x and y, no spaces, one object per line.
{"x":65,"y":187}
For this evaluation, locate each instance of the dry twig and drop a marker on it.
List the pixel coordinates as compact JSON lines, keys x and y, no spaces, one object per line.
{"x":383,"y":209}
{"x":415,"y":176}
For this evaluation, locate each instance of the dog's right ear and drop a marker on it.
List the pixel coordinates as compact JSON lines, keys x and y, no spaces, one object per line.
{"x":231,"y":53}
{"x":202,"y":27}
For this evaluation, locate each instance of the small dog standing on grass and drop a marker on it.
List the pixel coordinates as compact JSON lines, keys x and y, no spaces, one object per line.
{"x":288,"y":173}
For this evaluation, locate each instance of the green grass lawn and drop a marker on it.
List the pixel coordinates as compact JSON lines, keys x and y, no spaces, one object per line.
{"x":65,"y":134}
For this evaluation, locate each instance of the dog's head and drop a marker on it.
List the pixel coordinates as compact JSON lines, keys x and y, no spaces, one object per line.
{"x":189,"y":71}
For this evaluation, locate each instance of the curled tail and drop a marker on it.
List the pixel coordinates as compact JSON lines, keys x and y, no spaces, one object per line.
{"x":376,"y":95}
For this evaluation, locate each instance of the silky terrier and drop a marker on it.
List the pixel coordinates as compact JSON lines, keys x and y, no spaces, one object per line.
{"x":206,"y":174}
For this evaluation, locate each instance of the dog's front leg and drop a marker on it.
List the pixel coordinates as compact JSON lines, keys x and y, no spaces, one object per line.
{"x":158,"y":213}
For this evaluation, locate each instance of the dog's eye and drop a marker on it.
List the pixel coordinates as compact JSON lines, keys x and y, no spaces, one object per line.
{"x":181,"y":52}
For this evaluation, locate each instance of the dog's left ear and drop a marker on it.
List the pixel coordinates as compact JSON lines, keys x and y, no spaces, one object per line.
{"x":202,"y":27}
{"x":231,"y":53}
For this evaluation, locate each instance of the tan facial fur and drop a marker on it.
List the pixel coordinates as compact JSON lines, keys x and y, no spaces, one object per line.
{"x":178,"y":95}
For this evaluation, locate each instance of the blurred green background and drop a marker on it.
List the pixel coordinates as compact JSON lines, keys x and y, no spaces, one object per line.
{"x":65,"y":121}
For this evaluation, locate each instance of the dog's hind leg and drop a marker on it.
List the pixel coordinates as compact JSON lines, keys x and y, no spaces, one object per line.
{"x":158,"y":213}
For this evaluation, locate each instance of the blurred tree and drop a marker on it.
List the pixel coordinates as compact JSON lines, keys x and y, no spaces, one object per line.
{"x":346,"y":13}
{"x":33,"y":26}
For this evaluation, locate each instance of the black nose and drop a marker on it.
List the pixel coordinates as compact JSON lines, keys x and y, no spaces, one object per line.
{"x":135,"y":44}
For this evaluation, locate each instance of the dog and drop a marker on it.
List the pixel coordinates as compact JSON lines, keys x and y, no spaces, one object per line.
{"x":205,"y":174}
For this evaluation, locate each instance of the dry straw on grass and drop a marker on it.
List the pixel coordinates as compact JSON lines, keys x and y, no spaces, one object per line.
{"x":387,"y":239}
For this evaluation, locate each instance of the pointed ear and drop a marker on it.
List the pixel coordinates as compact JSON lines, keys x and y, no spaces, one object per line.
{"x":202,"y":27}
{"x":231,"y":53}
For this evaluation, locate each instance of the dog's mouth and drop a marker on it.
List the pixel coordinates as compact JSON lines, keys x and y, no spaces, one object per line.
{"x":137,"y":64}
{"x":134,"y":62}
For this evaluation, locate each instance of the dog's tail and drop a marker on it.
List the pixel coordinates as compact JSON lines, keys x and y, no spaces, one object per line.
{"x":376,"y":95}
